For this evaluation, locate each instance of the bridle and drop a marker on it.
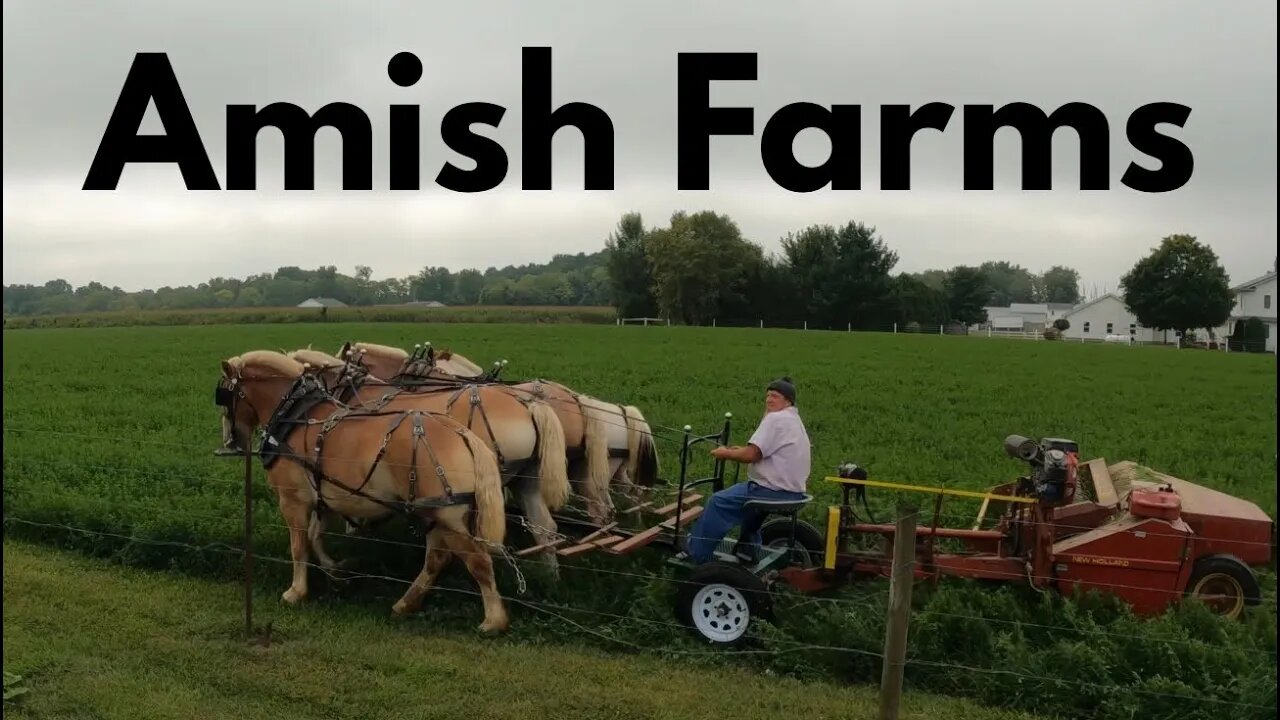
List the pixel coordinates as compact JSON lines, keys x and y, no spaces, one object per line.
{"x":229,"y":392}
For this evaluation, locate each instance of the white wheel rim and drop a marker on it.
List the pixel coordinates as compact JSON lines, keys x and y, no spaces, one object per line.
{"x":720,"y":612}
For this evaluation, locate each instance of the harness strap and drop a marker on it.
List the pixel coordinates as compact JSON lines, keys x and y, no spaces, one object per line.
{"x":413,"y":458}
{"x":386,"y":439}
{"x":476,"y":402}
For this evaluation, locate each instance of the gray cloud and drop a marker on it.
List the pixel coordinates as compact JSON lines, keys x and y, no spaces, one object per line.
{"x":64,"y":65}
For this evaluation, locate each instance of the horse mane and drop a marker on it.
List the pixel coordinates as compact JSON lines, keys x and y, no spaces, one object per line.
{"x":268,"y":360}
{"x":376,"y":349}
{"x":448,"y":354}
{"x":316,"y":358}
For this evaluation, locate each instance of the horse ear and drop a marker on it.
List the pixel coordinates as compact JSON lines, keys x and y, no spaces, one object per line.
{"x":346,"y":348}
{"x":228,"y":371}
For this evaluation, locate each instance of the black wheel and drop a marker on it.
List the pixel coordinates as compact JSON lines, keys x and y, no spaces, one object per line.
{"x":1225,"y":584}
{"x":809,"y":545}
{"x":719,"y":600}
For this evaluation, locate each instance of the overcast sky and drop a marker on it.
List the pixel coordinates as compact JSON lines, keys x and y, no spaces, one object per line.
{"x":64,"y":64}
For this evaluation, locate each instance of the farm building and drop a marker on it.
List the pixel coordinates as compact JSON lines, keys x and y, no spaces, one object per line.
{"x":1255,"y":298}
{"x":1108,"y":315}
{"x":321,"y":302}
{"x":1023,"y":317}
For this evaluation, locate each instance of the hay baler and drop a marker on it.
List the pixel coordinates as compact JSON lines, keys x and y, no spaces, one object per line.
{"x":1143,"y":536}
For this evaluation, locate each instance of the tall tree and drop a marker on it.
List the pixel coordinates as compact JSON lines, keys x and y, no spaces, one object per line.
{"x":842,"y":274}
{"x":967,"y":292}
{"x":630,"y":276}
{"x":470,"y":283}
{"x":701,"y":266}
{"x":1009,"y":283}
{"x":1059,"y":284}
{"x":915,"y":301}
{"x":1179,"y":286}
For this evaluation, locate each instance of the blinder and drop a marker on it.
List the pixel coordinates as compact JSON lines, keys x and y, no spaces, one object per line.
{"x":223,"y":396}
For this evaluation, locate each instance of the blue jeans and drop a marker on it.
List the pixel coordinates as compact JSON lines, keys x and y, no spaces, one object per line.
{"x":722,"y":512}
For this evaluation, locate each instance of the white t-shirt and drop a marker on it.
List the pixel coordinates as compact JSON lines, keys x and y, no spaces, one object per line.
{"x":784,"y":443}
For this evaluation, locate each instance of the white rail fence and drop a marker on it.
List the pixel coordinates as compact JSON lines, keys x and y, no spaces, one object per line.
{"x":1218,"y":344}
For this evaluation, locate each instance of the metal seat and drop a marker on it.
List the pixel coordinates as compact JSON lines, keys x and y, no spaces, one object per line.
{"x":755,"y":511}
{"x":776,"y":507}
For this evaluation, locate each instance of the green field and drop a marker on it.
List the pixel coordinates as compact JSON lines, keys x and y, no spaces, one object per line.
{"x":110,"y":431}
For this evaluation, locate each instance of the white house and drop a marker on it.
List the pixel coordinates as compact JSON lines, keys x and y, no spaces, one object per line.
{"x":1107,"y":315}
{"x":1255,"y":298}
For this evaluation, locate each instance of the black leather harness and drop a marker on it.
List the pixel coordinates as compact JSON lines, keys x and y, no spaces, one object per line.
{"x":308,"y":393}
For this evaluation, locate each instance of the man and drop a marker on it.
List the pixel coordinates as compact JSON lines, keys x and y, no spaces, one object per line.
{"x":778,"y":459}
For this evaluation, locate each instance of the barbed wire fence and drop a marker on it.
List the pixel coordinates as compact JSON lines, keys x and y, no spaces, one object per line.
{"x":893,"y":602}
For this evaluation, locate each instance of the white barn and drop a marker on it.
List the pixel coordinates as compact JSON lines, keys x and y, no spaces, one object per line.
{"x":1255,"y":298}
{"x":1108,"y":315}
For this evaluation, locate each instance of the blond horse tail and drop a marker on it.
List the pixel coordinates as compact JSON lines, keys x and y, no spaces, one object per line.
{"x":553,"y":456}
{"x":597,"y":453}
{"x":491,"y":516}
{"x":642,"y":452}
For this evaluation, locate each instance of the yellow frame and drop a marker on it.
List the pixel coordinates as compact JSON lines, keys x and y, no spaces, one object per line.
{"x":935,"y":490}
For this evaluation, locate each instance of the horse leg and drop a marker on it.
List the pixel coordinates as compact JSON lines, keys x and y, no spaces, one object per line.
{"x":314,"y":531}
{"x":437,"y":557}
{"x":538,"y":518}
{"x":621,"y":479}
{"x":480,"y":565}
{"x":600,"y":506}
{"x":296,"y":510}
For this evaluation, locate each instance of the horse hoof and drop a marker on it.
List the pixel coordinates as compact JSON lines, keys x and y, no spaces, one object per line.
{"x":291,"y":596}
{"x":494,"y":627}
{"x":401,"y":610}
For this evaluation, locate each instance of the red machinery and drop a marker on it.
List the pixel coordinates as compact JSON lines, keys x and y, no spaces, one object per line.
{"x":1150,"y":542}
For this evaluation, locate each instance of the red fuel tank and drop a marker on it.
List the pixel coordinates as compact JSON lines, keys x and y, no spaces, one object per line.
{"x":1163,"y":504}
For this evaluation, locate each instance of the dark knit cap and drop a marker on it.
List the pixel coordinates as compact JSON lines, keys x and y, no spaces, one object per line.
{"x":785,"y":387}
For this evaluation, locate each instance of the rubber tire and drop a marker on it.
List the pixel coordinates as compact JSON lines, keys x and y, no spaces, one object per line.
{"x":753,"y":589}
{"x":1233,"y":568}
{"x":778,"y":529}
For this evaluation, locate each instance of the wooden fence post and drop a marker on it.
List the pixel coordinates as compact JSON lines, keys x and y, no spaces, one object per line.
{"x":899,"y":613}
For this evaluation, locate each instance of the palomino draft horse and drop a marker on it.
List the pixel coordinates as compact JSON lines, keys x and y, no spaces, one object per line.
{"x":524,"y":433}
{"x":609,"y":443}
{"x":367,"y":464}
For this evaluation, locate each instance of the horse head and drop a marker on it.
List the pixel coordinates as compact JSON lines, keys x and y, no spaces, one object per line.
{"x":329,"y":369}
{"x":250,"y":390}
{"x":380,"y":361}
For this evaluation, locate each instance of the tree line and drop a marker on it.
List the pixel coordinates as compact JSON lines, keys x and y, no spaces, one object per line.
{"x":700,"y":268}
{"x":578,"y":279}
{"x":697,"y":268}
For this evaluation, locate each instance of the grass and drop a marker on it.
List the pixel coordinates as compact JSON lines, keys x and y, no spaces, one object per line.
{"x":111,"y":429}
{"x":95,"y":641}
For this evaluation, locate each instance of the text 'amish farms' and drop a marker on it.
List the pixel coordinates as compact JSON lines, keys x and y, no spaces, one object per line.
{"x":151,"y":79}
